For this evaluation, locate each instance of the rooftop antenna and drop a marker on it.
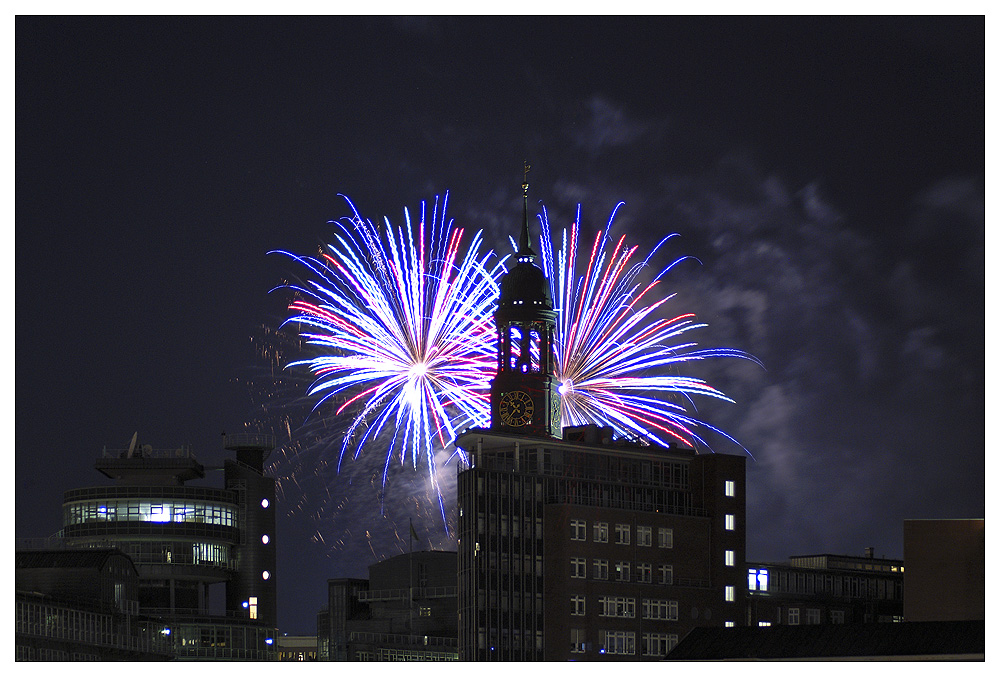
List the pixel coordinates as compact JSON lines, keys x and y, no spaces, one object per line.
{"x":131,"y":445}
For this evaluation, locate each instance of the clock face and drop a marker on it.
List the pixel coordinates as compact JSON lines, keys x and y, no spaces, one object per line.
{"x":516,"y":408}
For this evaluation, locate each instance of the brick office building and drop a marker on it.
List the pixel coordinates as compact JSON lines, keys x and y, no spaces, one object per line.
{"x":573,"y":545}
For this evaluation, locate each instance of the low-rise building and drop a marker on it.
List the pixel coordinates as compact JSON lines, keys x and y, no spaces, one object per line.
{"x":405,"y":611}
{"x":824,"y":589}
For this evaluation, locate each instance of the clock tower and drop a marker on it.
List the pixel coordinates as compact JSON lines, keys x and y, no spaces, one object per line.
{"x":524,"y":395}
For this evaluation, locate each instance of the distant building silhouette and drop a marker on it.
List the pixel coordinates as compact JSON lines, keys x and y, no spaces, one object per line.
{"x":186,"y":541}
{"x":404,"y":611}
{"x":824,"y":589}
{"x":83,"y":605}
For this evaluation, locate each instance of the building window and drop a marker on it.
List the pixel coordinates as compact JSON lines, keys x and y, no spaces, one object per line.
{"x":425,"y":611}
{"x":600,"y":569}
{"x":666,"y":537}
{"x":578,"y":567}
{"x":644,"y":572}
{"x":600,"y":532}
{"x":764,"y":624}
{"x":666,"y":574}
{"x":730,"y":522}
{"x":578,"y":605}
{"x":812,"y":616}
{"x":730,"y":593}
{"x":837,"y":616}
{"x":793,"y":616}
{"x":644,"y":536}
{"x":730,"y":624}
{"x":618,"y":607}
{"x":619,"y":643}
{"x":757,"y":579}
{"x":623,"y":534}
{"x":623,"y":572}
{"x":657,"y":644}
{"x":578,"y":530}
{"x":730,"y":558}
{"x":659,"y":609}
{"x":577,"y":640}
{"x":730,"y":488}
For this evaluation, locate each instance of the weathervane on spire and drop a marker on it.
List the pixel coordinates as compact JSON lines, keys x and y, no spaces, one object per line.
{"x":524,"y":253}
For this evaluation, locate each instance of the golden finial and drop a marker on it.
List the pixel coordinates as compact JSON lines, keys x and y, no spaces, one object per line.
{"x":524,"y":186}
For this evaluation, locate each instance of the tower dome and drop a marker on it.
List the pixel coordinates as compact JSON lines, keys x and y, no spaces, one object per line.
{"x":525,"y":285}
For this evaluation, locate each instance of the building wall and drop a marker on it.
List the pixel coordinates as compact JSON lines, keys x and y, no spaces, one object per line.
{"x":533,"y":583}
{"x":945,"y":578}
{"x":255,"y":578}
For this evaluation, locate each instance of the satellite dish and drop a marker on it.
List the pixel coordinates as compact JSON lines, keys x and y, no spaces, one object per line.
{"x":131,"y":445}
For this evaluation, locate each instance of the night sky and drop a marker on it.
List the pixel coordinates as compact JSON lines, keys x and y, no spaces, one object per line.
{"x":828,"y":174}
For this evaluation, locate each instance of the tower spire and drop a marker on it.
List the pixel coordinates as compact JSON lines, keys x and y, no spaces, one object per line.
{"x":524,"y":251}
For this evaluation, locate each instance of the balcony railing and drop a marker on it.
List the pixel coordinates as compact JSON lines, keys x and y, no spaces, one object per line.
{"x":382,"y":639}
{"x":405,"y":593}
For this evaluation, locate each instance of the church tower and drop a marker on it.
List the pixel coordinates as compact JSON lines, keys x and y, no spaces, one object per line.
{"x":524,"y":395}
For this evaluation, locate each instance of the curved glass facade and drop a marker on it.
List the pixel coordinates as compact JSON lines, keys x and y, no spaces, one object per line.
{"x":156,"y":510}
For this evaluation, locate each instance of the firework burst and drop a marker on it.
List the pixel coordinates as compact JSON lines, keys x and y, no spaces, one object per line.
{"x":401,"y":322}
{"x":616,"y":353}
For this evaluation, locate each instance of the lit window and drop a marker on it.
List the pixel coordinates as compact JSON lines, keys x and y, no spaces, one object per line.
{"x":264,"y":503}
{"x":578,"y":530}
{"x":730,"y":558}
{"x":577,"y":640}
{"x":425,"y":611}
{"x":730,"y":522}
{"x":265,"y":574}
{"x":623,"y":571}
{"x":730,"y":624}
{"x":764,"y":624}
{"x":730,"y":593}
{"x":757,"y":579}
{"x":730,"y":488}
{"x":252,"y":605}
{"x":666,"y":537}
